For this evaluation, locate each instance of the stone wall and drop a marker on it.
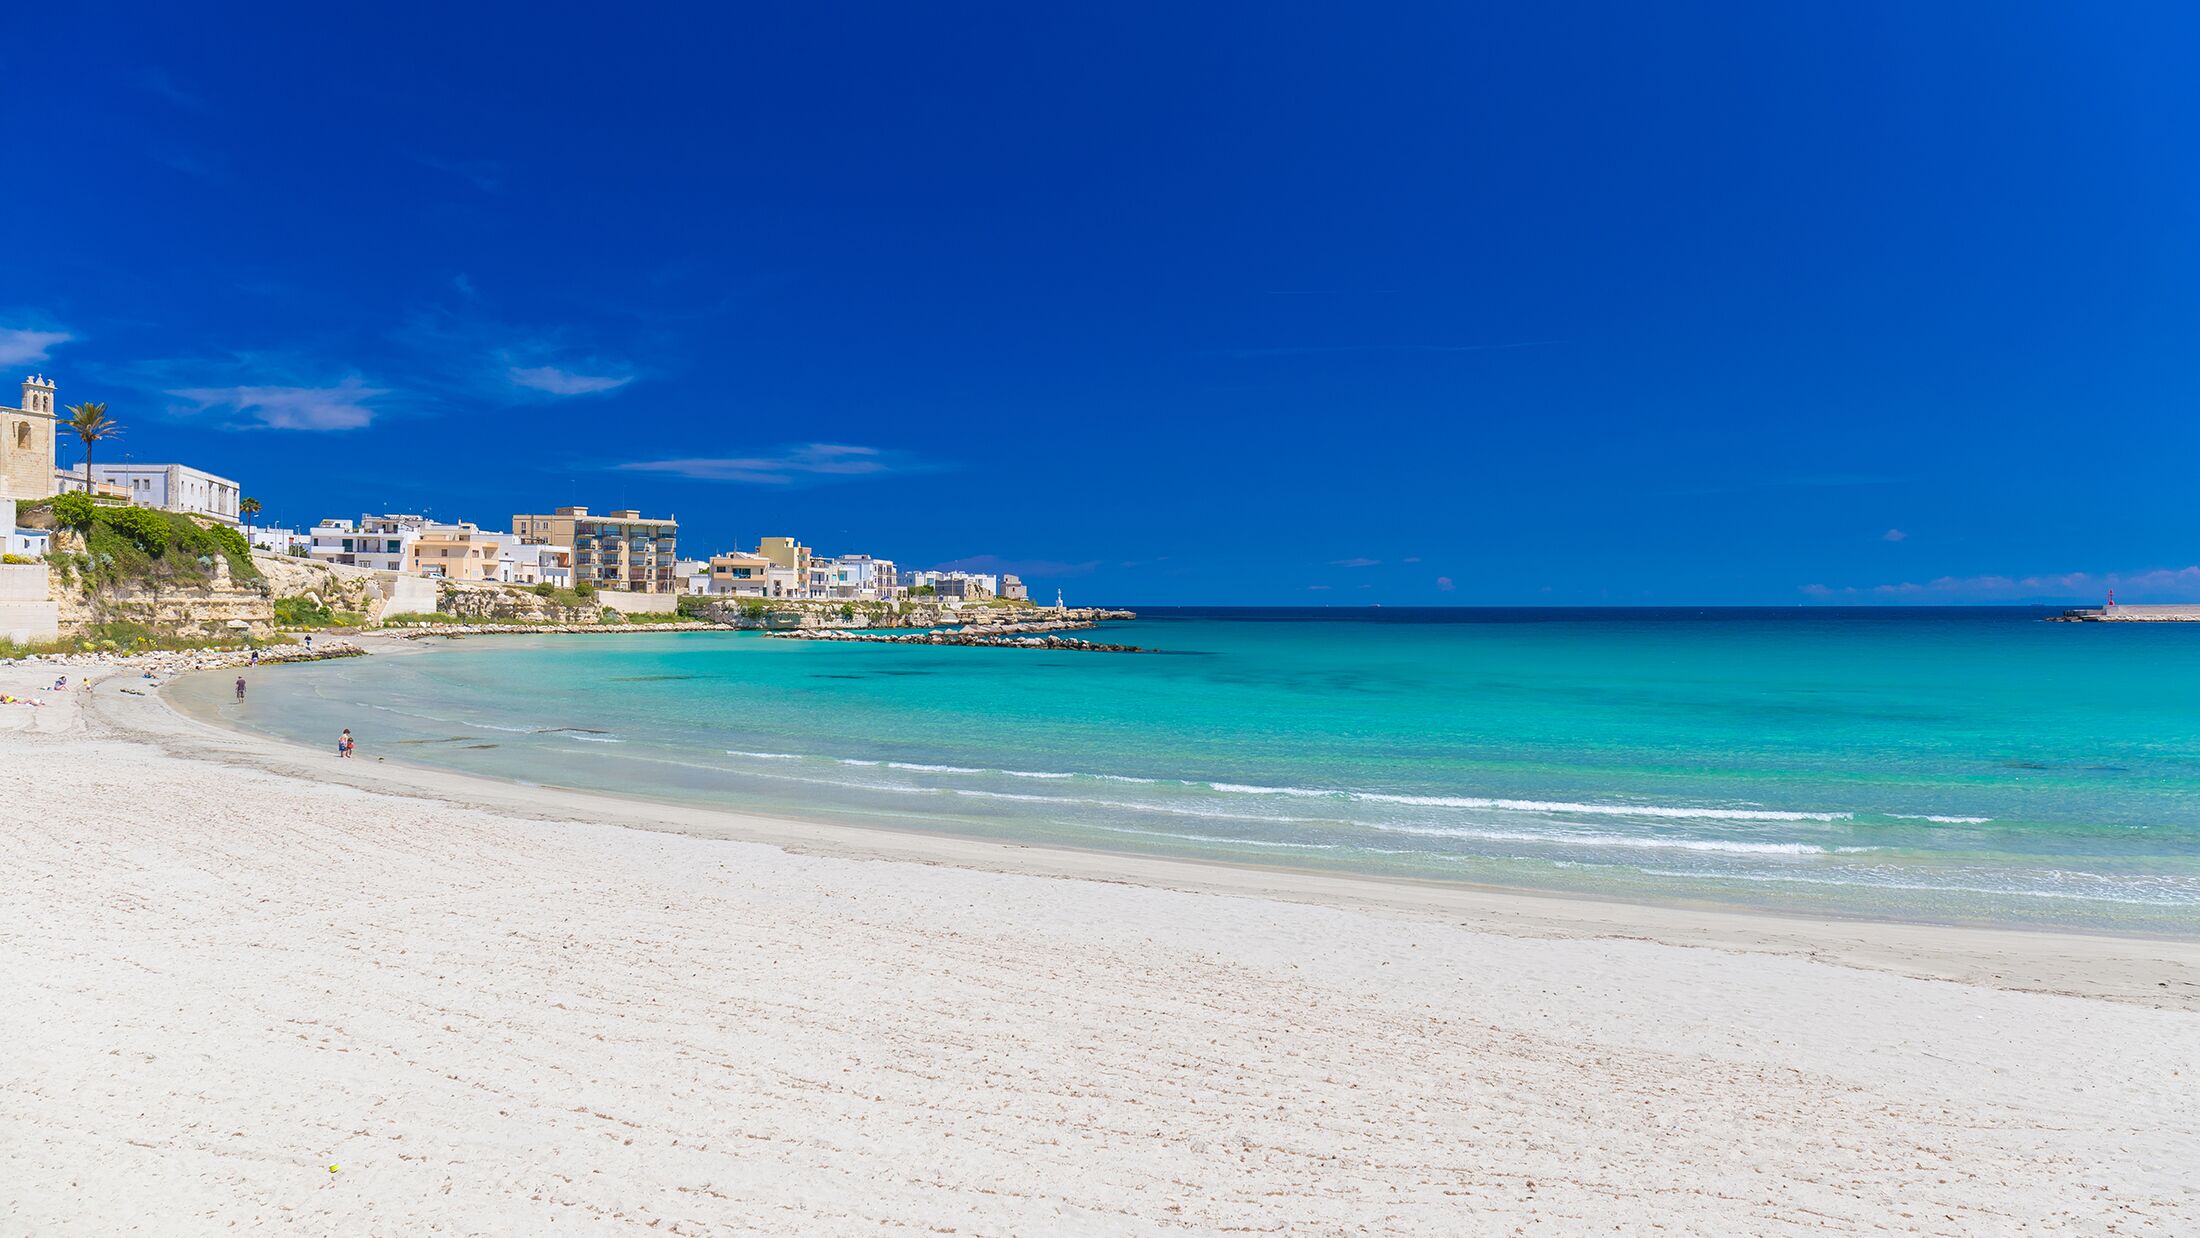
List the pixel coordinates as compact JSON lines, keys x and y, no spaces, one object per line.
{"x":26,"y":613}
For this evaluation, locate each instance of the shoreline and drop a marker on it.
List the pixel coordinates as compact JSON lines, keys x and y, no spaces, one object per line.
{"x":256,"y":988}
{"x":2148,"y":970}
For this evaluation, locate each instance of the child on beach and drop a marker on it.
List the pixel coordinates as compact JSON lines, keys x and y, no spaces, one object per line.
{"x":343,"y":743}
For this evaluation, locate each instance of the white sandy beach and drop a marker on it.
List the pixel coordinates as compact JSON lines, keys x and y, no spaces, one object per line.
{"x":501,"y":1010}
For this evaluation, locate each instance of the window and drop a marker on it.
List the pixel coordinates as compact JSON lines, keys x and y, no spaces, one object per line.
{"x":23,"y":435}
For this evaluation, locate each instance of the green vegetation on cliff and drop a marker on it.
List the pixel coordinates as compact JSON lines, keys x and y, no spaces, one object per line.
{"x":131,"y":545}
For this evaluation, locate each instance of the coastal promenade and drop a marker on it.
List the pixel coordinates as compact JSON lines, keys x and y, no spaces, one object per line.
{"x":255,"y":987}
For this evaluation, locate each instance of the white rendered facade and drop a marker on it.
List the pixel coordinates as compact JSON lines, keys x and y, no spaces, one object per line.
{"x":170,"y":488}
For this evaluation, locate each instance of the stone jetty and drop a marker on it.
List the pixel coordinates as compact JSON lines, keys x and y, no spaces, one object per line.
{"x":2130,"y":614}
{"x":990,"y":637}
{"x":416,"y":631}
{"x":163,"y":663}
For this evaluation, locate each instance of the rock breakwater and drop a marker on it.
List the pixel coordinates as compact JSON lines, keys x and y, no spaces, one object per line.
{"x":992,"y":638}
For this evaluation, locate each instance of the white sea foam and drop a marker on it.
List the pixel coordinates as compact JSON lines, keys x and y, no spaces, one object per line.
{"x":763,"y":756}
{"x":592,"y":739}
{"x":2175,"y":896}
{"x":937,"y":769}
{"x":1921,"y":816}
{"x":1227,"y":842}
{"x":1174,"y":810}
{"x":1666,"y":811}
{"x":1561,"y":838}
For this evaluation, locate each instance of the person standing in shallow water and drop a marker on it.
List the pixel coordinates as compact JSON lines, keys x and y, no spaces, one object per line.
{"x":343,"y":743}
{"x":240,"y":687}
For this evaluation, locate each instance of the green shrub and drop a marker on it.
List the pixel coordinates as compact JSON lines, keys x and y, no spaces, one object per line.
{"x":16,"y":559}
{"x":146,"y":530}
{"x":585,"y":588}
{"x":74,"y":510}
{"x":303,"y":612}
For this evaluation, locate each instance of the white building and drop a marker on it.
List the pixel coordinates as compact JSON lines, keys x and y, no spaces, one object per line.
{"x":22,"y":543}
{"x":382,"y":543}
{"x":693,"y":575}
{"x":280,"y":541}
{"x":533,"y":563}
{"x":864,"y":578}
{"x":164,"y":487}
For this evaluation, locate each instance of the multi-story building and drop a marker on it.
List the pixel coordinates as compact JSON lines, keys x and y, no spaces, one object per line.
{"x":616,"y":550}
{"x":532,"y":563}
{"x":748,"y":576}
{"x":787,"y":553}
{"x":26,"y":442}
{"x":961,"y":585}
{"x":456,"y":552}
{"x":377,"y":542}
{"x":853,"y":578}
{"x":1012,"y":588}
{"x":164,"y":487}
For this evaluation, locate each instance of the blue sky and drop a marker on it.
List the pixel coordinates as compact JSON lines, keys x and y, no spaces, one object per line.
{"x":1418,"y":304}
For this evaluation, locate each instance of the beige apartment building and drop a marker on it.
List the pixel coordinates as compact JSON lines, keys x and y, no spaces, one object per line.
{"x":454,"y":552}
{"x":615,"y":550}
{"x":787,"y":553}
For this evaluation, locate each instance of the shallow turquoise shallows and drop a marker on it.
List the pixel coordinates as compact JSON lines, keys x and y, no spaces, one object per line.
{"x":1977,"y":766}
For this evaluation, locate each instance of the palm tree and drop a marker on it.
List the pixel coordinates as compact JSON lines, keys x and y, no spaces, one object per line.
{"x":248,"y":509}
{"x":91,"y":423}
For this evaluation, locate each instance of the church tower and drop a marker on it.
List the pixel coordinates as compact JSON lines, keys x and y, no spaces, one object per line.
{"x":27,"y":442}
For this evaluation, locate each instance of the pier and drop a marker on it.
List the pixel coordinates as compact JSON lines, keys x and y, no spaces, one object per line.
{"x":2130,"y":614}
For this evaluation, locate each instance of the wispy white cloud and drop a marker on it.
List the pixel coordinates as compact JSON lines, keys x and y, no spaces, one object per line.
{"x":798,"y":464}
{"x":192,"y":161}
{"x":555,"y":381}
{"x":470,"y":359}
{"x":1894,"y":535}
{"x":1444,"y":584}
{"x":348,"y":405}
{"x":486,"y":175}
{"x":159,"y":83}
{"x":1354,"y":562}
{"x":2180,"y":584}
{"x":23,"y":346}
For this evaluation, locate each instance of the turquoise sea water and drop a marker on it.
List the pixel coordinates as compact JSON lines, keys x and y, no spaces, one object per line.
{"x":1973,"y":765}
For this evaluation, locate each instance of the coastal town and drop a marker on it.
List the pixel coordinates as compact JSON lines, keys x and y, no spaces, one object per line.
{"x":565,"y":565}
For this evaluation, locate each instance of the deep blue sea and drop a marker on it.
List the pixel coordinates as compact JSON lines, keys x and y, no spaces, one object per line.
{"x":1962,"y":765}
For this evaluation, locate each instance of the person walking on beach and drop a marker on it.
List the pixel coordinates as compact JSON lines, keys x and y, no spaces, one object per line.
{"x":343,"y":743}
{"x":240,"y":687}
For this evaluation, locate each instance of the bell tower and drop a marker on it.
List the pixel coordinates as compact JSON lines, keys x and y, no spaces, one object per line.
{"x":38,"y":395}
{"x":27,"y":442}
